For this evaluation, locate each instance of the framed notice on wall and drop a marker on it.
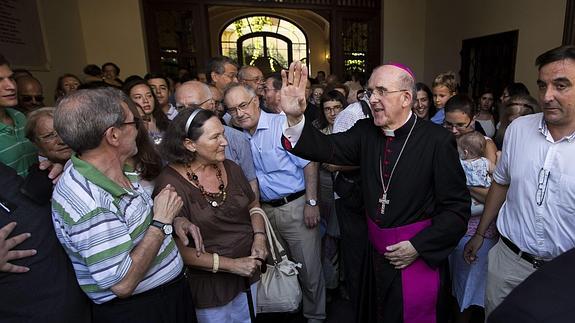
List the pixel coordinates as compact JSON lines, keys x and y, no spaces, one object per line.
{"x":22,"y":39}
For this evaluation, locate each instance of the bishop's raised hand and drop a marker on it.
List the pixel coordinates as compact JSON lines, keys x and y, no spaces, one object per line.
{"x":293,"y":100}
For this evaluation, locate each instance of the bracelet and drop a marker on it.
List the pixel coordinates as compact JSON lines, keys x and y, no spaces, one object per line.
{"x":479,"y":234}
{"x":216,"y":264}
{"x":260,"y":232}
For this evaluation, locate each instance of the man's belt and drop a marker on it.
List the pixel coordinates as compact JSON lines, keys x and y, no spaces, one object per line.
{"x":534,"y":260}
{"x":284,"y":200}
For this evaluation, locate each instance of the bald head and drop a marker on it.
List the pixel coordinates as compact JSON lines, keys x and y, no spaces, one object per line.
{"x":194,"y":93}
{"x":30,"y":95}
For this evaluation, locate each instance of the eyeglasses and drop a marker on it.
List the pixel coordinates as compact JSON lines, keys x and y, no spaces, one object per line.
{"x":542,"y":185}
{"x":448,"y":125}
{"x":231,"y":75}
{"x":194,"y":105}
{"x":240,"y":107}
{"x":29,"y":98}
{"x":334,"y":109}
{"x":52,"y":136}
{"x":381,"y":92}
{"x":257,"y":80}
{"x":136,"y":123}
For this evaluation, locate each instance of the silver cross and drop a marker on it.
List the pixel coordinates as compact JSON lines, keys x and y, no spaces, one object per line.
{"x":384,"y":201}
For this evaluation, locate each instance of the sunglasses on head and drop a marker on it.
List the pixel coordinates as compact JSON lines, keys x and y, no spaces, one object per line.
{"x":28,"y":98}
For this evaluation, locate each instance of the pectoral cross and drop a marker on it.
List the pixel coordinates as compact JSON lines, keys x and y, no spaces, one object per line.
{"x":384,"y":201}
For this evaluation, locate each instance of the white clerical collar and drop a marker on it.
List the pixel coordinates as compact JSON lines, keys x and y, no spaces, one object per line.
{"x":391,"y":133}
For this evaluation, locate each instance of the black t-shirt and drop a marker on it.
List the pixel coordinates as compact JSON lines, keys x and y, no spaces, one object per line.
{"x":49,"y":292}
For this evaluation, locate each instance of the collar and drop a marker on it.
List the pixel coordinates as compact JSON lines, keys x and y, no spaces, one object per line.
{"x":545,"y":132}
{"x":401,"y":131}
{"x":98,"y":178}
{"x":16,"y":117}
{"x":264,"y":121}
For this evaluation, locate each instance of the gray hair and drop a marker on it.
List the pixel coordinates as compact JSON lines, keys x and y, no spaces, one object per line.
{"x":244,"y":70}
{"x":33,"y":118}
{"x":234,"y":85}
{"x":82,"y":117}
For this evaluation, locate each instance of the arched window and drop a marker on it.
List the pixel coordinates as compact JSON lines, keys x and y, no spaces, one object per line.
{"x":270,"y":43}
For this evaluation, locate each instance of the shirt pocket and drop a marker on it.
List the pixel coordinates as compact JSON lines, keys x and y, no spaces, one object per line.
{"x":271,"y":160}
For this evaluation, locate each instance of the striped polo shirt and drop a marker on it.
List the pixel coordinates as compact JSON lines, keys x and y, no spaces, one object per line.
{"x":16,"y":150}
{"x":99,"y":223}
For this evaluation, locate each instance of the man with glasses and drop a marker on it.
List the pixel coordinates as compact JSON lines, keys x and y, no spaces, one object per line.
{"x":254,"y":78}
{"x":195,"y":93}
{"x":414,"y":193}
{"x":30,"y":96}
{"x":15,"y":150}
{"x":533,"y":190}
{"x":119,"y":240}
{"x":288,"y":192}
{"x":222,"y":71}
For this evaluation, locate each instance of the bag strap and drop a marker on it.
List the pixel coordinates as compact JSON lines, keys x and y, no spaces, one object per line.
{"x":272,"y":239}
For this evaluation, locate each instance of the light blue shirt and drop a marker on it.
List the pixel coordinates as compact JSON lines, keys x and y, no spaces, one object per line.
{"x":279,"y":172}
{"x":238,"y":150}
{"x":439,"y":117}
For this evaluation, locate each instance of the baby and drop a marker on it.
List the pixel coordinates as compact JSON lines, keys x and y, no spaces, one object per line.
{"x":478,"y":169}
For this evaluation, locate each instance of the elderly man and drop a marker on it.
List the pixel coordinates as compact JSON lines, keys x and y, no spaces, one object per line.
{"x":222,"y":71}
{"x":15,"y":150}
{"x":238,"y":148}
{"x":413,"y":186}
{"x":120,"y":243}
{"x":30,"y":95}
{"x":533,"y":190}
{"x":288,"y":190}
{"x":40,"y":131}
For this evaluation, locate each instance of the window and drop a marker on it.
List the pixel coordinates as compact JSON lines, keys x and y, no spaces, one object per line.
{"x":271,"y":43}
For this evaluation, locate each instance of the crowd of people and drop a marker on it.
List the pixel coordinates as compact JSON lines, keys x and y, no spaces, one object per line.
{"x":143,"y":199}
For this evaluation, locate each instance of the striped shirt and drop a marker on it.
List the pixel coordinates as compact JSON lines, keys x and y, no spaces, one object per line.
{"x":16,"y":150}
{"x":99,"y":223}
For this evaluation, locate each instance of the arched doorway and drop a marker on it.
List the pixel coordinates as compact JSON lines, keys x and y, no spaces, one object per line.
{"x":268,"y":42}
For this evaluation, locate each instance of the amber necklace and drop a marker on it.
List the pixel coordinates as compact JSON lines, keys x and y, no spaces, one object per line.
{"x":212,"y":198}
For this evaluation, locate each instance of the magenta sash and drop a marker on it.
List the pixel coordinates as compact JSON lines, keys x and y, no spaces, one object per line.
{"x":419,"y":281}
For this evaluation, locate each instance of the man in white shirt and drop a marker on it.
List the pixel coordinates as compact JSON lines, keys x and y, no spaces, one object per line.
{"x":533,"y":188}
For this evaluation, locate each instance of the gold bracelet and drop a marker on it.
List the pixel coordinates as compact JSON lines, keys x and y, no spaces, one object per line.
{"x":216,"y":264}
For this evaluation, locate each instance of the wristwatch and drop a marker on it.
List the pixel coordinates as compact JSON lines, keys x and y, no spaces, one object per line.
{"x":167,"y":229}
{"x":311,"y":202}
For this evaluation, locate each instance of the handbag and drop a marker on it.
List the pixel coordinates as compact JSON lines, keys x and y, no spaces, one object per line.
{"x":279,"y":289}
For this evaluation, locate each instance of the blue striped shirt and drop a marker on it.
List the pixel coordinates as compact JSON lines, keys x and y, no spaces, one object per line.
{"x":99,"y":223}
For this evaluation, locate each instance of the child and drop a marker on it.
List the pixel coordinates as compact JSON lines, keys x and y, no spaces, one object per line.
{"x":469,"y":280}
{"x":444,"y":87}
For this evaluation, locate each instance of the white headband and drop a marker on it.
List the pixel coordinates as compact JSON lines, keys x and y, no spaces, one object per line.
{"x":191,"y":118}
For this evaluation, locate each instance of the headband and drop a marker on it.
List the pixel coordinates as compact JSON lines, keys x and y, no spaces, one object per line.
{"x":402,"y":67}
{"x":191,"y":119}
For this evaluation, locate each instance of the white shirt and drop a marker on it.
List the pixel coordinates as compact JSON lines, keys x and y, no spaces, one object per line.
{"x":348,"y":117}
{"x":540,"y":223}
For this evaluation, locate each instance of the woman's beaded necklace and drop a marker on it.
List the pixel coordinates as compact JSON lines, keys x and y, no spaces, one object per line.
{"x":214,"y":199}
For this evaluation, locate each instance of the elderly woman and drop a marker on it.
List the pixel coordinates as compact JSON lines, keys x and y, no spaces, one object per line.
{"x":154,"y":118}
{"x":40,"y":131}
{"x":218,"y":198}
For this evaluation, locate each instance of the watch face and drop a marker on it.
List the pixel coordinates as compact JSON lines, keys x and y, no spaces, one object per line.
{"x":312,"y":202}
{"x":168,"y":229}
